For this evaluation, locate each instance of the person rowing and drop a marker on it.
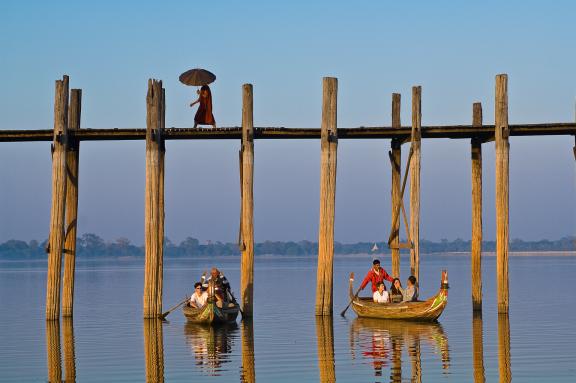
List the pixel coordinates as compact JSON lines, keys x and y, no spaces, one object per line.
{"x":375,"y":275}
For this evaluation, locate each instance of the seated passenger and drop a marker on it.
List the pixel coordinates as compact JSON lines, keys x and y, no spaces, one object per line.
{"x":199,"y":297}
{"x":411,"y":292}
{"x":396,"y":295}
{"x":380,"y":295}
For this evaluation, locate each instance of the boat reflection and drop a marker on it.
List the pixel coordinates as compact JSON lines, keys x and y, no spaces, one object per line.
{"x":382,"y":342}
{"x":54,"y":350}
{"x":248,"y":372}
{"x":211,"y":345}
{"x":154,"y":350}
{"x":325,"y":338}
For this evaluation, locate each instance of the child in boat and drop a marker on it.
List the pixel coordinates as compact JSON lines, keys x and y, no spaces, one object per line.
{"x":396,"y":295}
{"x":199,"y":297}
{"x":380,"y":295}
{"x":411,"y":292}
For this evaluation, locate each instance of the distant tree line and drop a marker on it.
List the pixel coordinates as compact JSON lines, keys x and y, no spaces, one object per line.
{"x":91,"y":245}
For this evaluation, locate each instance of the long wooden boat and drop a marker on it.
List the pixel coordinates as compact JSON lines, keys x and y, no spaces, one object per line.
{"x":428,"y":310}
{"x":210,"y":313}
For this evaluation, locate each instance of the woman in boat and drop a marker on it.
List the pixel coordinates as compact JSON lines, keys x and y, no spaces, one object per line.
{"x":396,"y":295}
{"x":380,"y":295}
{"x":204,"y":114}
{"x":411,"y":292}
{"x":199,"y":297}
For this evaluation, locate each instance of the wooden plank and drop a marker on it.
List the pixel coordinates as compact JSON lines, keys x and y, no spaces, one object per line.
{"x":153,"y":240}
{"x":476,"y":248}
{"x":415,"y":183}
{"x":57,"y":211}
{"x":247,"y":194}
{"x":72,"y":159}
{"x":502,"y":196}
{"x":328,"y":146}
{"x":396,"y":161}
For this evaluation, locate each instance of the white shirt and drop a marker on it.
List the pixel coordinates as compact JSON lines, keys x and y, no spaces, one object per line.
{"x":380,"y":298}
{"x":199,"y":301}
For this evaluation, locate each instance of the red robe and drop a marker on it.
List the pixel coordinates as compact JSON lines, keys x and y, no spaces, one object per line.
{"x":204,"y":114}
{"x":374,"y":277}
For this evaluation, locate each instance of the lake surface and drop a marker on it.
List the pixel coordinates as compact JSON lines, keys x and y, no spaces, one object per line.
{"x":109,"y":341}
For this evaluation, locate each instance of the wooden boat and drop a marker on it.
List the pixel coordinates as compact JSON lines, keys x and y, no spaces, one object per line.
{"x":210,"y":313}
{"x":428,"y":310}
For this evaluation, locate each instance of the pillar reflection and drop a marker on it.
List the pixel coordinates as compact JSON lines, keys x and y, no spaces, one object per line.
{"x":53,"y":351}
{"x":325,"y":338}
{"x":248,"y":372}
{"x":154,"y":350}
{"x":69,"y":349}
{"x":478,"y":347}
{"x":504,"y":348}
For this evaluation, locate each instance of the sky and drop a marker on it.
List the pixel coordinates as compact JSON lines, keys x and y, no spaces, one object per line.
{"x":452,"y":49}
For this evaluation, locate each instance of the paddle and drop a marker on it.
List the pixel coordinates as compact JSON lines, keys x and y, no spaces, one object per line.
{"x":349,"y":303}
{"x":164,"y":315}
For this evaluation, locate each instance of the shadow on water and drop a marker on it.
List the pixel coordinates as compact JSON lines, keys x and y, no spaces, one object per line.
{"x":154,"y":350}
{"x":247,"y":372}
{"x":325,"y":337}
{"x":211,"y":345}
{"x":54,"y":353}
{"x":504,"y":348}
{"x":382,"y":341}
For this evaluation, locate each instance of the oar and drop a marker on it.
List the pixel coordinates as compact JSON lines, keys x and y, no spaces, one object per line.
{"x":349,"y":303}
{"x":163,"y":316}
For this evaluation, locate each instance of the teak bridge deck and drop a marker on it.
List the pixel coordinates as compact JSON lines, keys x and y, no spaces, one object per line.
{"x":67,"y":135}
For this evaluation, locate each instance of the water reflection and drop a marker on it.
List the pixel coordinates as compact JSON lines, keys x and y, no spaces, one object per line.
{"x":154,"y":350}
{"x":325,"y":337}
{"x":211,"y":345}
{"x":504,"y":348}
{"x":382,"y":343}
{"x":478,"y":347}
{"x":247,"y":373}
{"x":54,"y":351}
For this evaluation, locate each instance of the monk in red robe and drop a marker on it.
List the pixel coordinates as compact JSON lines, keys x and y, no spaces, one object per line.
{"x":204,"y":114}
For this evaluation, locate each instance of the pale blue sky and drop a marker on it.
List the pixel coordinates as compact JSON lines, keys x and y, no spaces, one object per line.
{"x":452,"y":49}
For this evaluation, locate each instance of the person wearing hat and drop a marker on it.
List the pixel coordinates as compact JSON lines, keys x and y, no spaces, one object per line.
{"x":375,"y":275}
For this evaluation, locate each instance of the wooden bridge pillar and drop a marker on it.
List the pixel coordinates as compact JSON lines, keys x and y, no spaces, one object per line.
{"x":396,"y":157}
{"x":502,"y":182}
{"x":56,"y":234}
{"x":247,"y":208}
{"x":154,"y":200}
{"x":415,"y":182}
{"x":476,"y":250}
{"x":328,"y":145}
{"x":72,"y":158}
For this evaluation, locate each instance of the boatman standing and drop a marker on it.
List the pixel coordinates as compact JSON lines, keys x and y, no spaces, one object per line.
{"x":375,"y":275}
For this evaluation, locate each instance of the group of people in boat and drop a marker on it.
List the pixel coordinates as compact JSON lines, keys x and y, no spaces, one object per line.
{"x":397,"y":293}
{"x":222,"y":292}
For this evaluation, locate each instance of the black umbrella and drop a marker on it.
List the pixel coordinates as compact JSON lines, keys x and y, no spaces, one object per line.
{"x":197,"y":77}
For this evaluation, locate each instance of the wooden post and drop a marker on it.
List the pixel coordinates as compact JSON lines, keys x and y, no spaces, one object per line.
{"x":329,"y":144}
{"x":504,"y":369}
{"x":69,"y":349}
{"x":154,"y":350}
{"x":248,"y":373}
{"x":502,"y":182}
{"x":154,"y":216}
{"x":415,"y":182}
{"x":56,"y":235}
{"x":247,"y":220}
{"x":396,"y":156}
{"x":476,"y":269}
{"x":325,"y":339}
{"x":72,"y":158}
{"x":53,"y":353}
{"x":161,"y":155}
{"x":478,"y":347}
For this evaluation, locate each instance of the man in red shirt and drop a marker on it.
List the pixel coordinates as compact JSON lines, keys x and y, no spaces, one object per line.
{"x":375,"y":275}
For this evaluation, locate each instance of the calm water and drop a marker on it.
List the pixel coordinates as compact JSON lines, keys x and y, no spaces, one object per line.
{"x":109,"y":341}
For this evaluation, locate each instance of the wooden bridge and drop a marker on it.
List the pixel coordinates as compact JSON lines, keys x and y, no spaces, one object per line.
{"x":67,"y":135}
